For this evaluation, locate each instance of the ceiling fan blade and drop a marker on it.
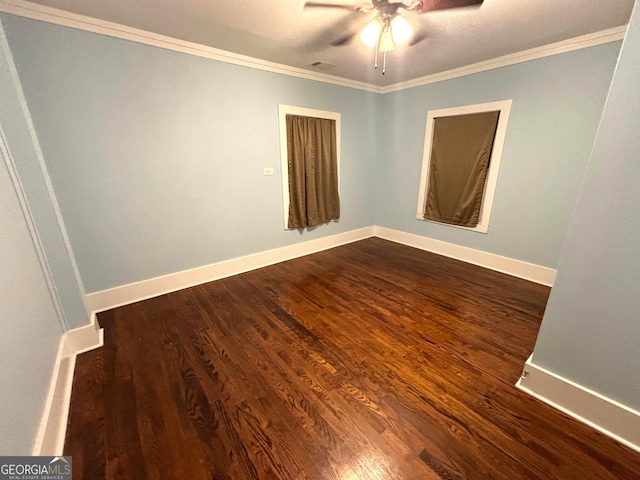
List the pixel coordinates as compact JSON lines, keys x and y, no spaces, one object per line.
{"x":433,"y":5}
{"x":417,"y":38}
{"x":344,"y":39}
{"x":353,"y":31}
{"x":338,"y":6}
{"x":340,"y":32}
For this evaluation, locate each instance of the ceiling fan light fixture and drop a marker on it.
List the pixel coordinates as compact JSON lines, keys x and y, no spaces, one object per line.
{"x":389,"y":27}
{"x":401,"y":29}
{"x":386,"y":39}
{"x":371,"y":34}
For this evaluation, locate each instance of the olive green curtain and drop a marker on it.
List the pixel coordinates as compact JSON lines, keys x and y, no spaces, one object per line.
{"x":313,"y":171}
{"x":460,"y":152}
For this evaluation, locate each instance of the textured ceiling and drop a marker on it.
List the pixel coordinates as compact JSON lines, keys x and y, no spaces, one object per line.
{"x":281,"y":31}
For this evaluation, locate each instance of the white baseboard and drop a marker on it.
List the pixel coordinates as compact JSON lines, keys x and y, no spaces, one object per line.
{"x":134,"y":292}
{"x":56,"y":410}
{"x":153,"y":287}
{"x":602,"y":413}
{"x":53,"y":425}
{"x":510,"y":266}
{"x":85,"y":338}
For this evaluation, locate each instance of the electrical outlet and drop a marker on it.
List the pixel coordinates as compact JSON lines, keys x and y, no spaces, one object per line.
{"x":268,"y":171}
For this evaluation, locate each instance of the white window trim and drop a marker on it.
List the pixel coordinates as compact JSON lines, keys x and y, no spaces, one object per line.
{"x":283,"y":111}
{"x":504,"y":107}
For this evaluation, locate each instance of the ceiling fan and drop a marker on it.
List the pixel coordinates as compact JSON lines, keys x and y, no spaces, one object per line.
{"x":386,"y":24}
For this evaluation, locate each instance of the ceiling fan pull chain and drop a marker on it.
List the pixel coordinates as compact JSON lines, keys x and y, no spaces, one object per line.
{"x":387,"y":21}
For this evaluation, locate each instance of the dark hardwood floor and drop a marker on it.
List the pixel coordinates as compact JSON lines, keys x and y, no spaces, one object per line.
{"x":368,"y":361}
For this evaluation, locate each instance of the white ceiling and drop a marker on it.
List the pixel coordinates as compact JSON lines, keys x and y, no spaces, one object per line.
{"x":281,"y":31}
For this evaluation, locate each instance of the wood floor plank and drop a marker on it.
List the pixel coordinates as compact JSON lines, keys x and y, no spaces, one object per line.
{"x":368,"y":361}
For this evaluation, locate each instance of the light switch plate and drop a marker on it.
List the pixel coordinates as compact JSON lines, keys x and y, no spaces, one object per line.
{"x":268,"y":171}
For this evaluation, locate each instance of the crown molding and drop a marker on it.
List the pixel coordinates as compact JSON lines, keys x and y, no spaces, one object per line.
{"x":569,"y":45}
{"x":56,"y":16}
{"x":36,"y":11}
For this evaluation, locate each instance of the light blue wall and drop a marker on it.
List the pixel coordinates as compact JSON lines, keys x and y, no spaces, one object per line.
{"x":156,"y":156}
{"x":20,"y":143}
{"x":591,"y":329}
{"x":156,"y":159}
{"x":557,"y":102}
{"x":29,"y":330}
{"x":30,"y":326}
